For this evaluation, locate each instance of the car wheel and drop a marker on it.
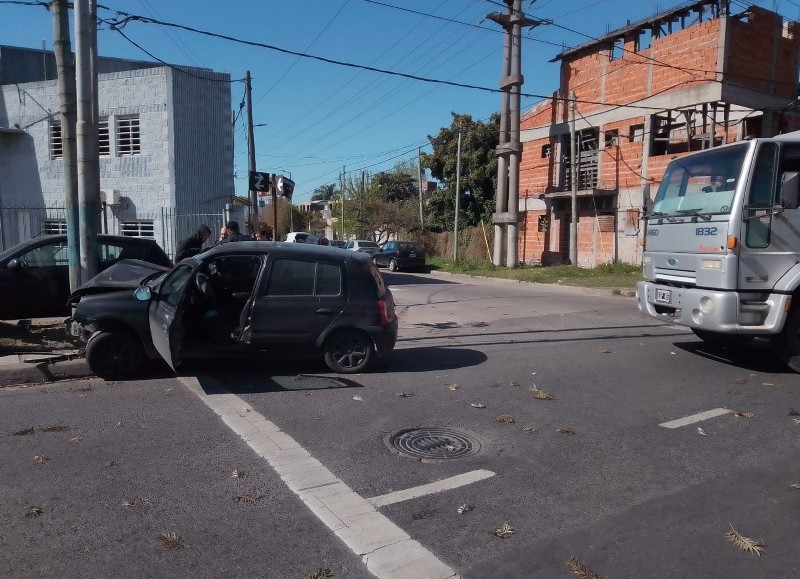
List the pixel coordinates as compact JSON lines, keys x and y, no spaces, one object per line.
{"x":393,"y":265}
{"x":348,"y":352}
{"x":114,"y":355}
{"x":725,"y":340}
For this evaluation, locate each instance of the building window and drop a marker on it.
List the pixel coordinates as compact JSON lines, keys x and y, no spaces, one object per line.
{"x":56,"y":144}
{"x":617,"y":49}
{"x":103,"y":140}
{"x":128,"y":138}
{"x":644,"y":40}
{"x":547,"y":151}
{"x":637,"y":133}
{"x":55,"y":226}
{"x":141,"y":228}
{"x":543,"y":223}
{"x":611,"y":138}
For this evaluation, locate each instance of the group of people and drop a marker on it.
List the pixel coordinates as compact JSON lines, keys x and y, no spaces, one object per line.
{"x":193,"y":244}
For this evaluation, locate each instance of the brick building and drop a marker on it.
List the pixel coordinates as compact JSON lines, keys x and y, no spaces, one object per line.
{"x":689,"y":78}
{"x":165,"y":139}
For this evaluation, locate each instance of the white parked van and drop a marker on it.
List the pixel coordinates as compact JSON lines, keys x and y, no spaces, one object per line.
{"x":300,"y":237}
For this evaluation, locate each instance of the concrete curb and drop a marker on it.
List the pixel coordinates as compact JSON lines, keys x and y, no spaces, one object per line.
{"x":42,"y":372}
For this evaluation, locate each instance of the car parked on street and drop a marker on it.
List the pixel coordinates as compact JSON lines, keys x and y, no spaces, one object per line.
{"x":362,"y":245}
{"x":337,"y":243}
{"x":238,"y":300}
{"x":34,"y":274}
{"x":398,"y":255}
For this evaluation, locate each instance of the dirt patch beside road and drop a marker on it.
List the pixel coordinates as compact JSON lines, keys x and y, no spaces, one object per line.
{"x":37,"y":335}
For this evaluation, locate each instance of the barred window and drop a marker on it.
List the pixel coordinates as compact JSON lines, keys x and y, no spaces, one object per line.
{"x":128,"y":141}
{"x":141,"y":228}
{"x":55,"y":226}
{"x":56,"y":145}
{"x":103,"y":140}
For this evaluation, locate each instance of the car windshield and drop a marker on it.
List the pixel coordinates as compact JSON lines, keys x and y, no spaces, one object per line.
{"x":701,"y":184}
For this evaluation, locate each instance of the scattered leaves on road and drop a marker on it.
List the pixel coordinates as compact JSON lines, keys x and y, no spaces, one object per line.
{"x":513,"y":384}
{"x":793,"y":412}
{"x":606,"y":351}
{"x":24,"y":432}
{"x":41,"y":458}
{"x":504,"y":419}
{"x":795,"y":485}
{"x":171,"y":540}
{"x":118,"y":424}
{"x":320,"y":573}
{"x":82,"y":389}
{"x":742,"y":380}
{"x":465,"y":508}
{"x":249,"y":499}
{"x":32,"y":512}
{"x":405,"y":394}
{"x":529,"y":429}
{"x":358,"y":398}
{"x":478,"y":405}
{"x":746,"y":544}
{"x":237,"y":473}
{"x":739,"y":414}
{"x":425,"y":513}
{"x":701,"y":432}
{"x":580,"y":569}
{"x":504,"y":531}
{"x":565,"y":430}
{"x":75,"y":439}
{"x":126,"y":504}
{"x":56,"y":428}
{"x":111,"y":463}
{"x":168,"y":391}
{"x":540,"y":394}
{"x":494,"y":385}
{"x":453,"y":387}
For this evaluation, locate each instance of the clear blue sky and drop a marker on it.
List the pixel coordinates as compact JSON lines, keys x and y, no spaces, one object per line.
{"x":321,"y":117}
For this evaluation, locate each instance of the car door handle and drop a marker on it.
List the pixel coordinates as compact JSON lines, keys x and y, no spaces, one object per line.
{"x":324,"y":312}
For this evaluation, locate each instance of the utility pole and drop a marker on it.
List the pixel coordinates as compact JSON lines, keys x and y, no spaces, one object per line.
{"x":361,"y":202}
{"x":273,"y":187}
{"x":341,"y":194}
{"x":509,"y":149}
{"x":251,"y":156}
{"x":458,"y":195}
{"x":66,"y":93}
{"x":86,"y":131}
{"x":573,"y":177}
{"x":419,"y":179}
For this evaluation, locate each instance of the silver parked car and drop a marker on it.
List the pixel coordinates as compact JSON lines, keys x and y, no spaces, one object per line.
{"x":363,"y":246}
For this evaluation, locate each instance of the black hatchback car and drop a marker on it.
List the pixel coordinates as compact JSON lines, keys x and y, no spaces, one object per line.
{"x":400,"y":255}
{"x":34,"y":274}
{"x":237,"y":300}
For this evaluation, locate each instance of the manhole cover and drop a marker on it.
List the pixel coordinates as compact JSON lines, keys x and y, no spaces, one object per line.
{"x":434,"y":443}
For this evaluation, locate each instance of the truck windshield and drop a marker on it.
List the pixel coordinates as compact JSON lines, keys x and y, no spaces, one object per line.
{"x":702,"y":184}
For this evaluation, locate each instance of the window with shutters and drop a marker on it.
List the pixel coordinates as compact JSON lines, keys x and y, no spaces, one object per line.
{"x":56,"y":145}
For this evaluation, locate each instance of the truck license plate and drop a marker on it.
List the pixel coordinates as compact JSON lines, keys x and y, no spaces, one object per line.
{"x":663,"y":296}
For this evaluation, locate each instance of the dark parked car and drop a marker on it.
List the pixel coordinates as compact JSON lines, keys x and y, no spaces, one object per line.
{"x":235,"y":300}
{"x":34,"y":274}
{"x":400,"y":255}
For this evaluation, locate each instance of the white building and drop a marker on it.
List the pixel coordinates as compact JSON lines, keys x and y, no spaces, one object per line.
{"x":165,"y":139}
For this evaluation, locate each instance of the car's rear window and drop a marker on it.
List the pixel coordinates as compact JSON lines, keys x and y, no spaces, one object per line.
{"x":367,"y":244}
{"x":376,"y":275}
{"x":412,"y":247}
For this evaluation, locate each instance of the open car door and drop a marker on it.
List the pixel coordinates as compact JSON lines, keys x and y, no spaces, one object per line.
{"x":166,"y":323}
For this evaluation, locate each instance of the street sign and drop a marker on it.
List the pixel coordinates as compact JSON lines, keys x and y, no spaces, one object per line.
{"x":285,"y":187}
{"x":259,"y":181}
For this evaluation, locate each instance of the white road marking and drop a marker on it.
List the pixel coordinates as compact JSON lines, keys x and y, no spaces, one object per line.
{"x":386,"y":549}
{"x":435,"y":487}
{"x":699,"y":417}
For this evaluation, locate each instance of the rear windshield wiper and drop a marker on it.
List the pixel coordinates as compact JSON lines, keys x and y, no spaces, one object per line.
{"x":664,"y":215}
{"x":695,"y":212}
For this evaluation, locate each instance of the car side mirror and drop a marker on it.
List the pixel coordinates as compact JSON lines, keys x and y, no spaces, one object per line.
{"x":14,"y":264}
{"x":143,"y":293}
{"x":790,"y":190}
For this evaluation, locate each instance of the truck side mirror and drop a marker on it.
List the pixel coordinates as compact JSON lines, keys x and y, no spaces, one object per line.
{"x":790,"y":190}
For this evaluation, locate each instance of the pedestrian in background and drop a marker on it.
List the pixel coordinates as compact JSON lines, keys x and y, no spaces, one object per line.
{"x":193,"y":244}
{"x":234,"y":234}
{"x":323,"y":241}
{"x":223,"y":234}
{"x":262,"y":234}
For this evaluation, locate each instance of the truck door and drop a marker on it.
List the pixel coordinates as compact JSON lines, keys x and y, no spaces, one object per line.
{"x":769,"y":234}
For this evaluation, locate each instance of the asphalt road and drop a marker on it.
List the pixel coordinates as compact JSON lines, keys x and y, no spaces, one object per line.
{"x":614,"y":490}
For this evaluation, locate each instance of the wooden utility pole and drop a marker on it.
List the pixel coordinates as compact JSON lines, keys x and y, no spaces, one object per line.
{"x":419,"y":182}
{"x":66,"y":94}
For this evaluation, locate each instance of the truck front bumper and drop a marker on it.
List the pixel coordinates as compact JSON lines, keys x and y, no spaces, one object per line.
{"x":726,"y":312}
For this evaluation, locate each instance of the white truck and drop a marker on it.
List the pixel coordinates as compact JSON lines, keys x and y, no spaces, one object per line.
{"x":722,"y":245}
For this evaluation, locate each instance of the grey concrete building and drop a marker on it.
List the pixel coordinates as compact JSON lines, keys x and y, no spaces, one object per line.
{"x":165,"y":140}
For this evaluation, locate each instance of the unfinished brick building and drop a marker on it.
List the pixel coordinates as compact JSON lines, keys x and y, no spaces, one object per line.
{"x":689,"y":78}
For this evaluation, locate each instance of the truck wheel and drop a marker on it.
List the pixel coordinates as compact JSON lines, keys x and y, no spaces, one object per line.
{"x":348,"y":351}
{"x":723,"y":340}
{"x":114,"y":355}
{"x":787,"y":344}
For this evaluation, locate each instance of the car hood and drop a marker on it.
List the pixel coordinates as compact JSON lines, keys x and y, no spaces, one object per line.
{"x":125,"y":274}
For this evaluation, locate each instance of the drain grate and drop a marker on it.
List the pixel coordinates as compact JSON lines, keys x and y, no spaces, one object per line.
{"x":434,"y":443}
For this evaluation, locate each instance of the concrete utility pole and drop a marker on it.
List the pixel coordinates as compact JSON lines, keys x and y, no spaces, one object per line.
{"x":341,"y":194}
{"x":66,"y":93}
{"x":458,"y":195}
{"x":88,"y":154}
{"x":273,"y":187}
{"x":251,"y":157}
{"x":419,"y":182}
{"x":573,"y":178}
{"x":509,"y":150}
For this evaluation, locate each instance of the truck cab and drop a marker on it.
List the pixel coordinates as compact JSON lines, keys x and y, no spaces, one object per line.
{"x":722,"y":245}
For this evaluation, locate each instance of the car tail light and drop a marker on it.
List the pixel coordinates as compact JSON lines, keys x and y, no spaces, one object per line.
{"x":386,"y":308}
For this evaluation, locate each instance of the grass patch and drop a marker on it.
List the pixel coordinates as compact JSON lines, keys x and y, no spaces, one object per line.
{"x":22,"y":338}
{"x":621,"y":277}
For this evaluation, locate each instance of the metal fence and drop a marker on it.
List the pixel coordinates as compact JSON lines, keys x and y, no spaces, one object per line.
{"x":164,"y":225}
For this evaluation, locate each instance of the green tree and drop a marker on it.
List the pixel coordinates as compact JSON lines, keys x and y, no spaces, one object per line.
{"x":479,"y":142}
{"x":324,"y":192}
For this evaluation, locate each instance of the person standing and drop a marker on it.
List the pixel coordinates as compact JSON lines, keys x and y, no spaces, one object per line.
{"x":234,"y":234}
{"x":193,"y":244}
